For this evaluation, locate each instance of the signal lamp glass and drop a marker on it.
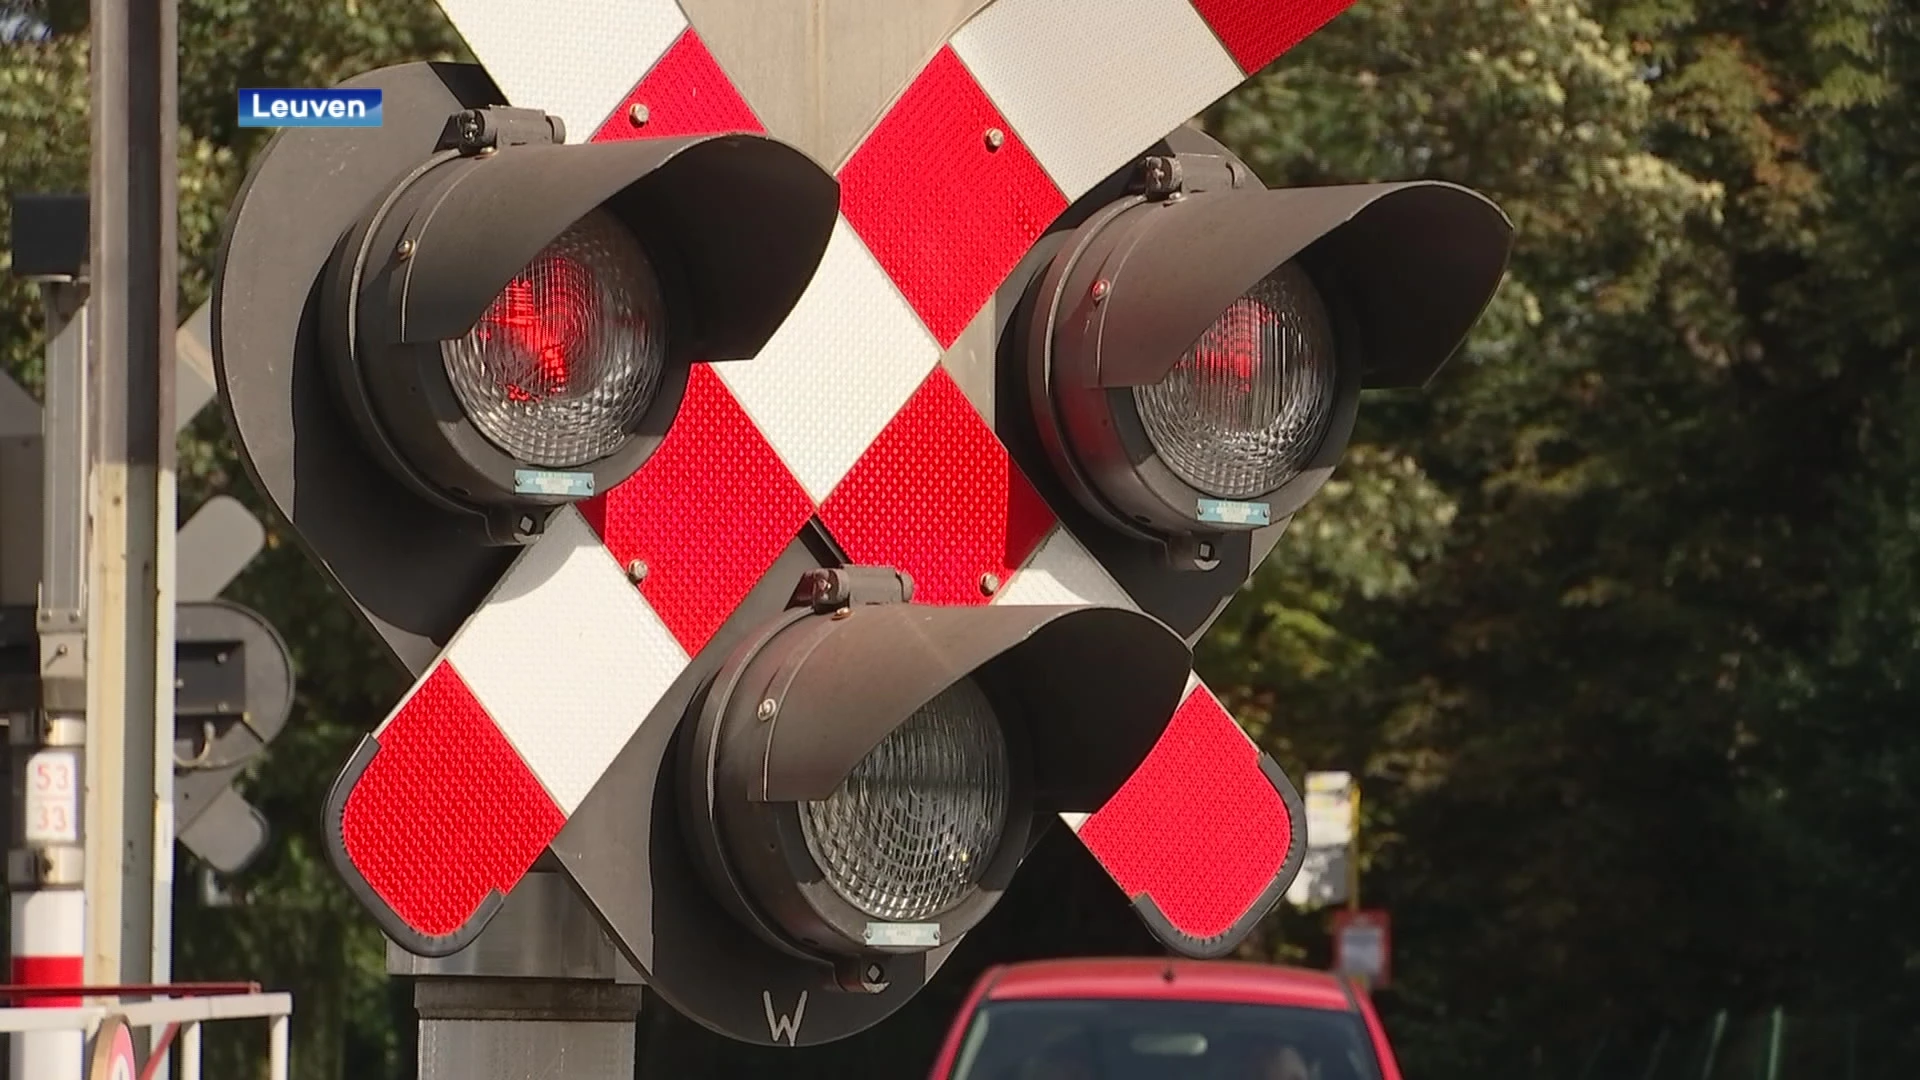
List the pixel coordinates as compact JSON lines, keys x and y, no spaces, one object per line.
{"x":1246,"y":408}
{"x":569,"y":355}
{"x":910,"y":830}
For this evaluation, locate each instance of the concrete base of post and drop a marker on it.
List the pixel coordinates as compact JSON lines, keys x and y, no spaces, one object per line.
{"x":524,"y":1029}
{"x":542,"y":992}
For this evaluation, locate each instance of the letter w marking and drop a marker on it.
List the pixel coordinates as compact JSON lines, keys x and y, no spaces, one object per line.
{"x":784,"y":1027}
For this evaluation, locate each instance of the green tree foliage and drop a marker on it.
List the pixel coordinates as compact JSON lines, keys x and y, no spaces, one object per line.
{"x":1618,"y":619}
{"x":1632,"y":735}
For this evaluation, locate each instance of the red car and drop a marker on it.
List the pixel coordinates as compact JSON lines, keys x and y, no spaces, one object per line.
{"x":1145,"y":1019}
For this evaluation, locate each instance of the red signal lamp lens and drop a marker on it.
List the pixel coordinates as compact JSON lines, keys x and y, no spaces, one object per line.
{"x":1248,"y":406}
{"x":566,"y":359}
{"x":1235,"y":351}
{"x":543,"y":314}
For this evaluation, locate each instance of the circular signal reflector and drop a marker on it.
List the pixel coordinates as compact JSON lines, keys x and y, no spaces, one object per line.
{"x":572,"y":351}
{"x":1244,"y":410}
{"x":913,"y":826}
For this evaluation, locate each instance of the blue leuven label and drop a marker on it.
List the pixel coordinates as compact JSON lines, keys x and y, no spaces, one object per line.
{"x":309,"y":108}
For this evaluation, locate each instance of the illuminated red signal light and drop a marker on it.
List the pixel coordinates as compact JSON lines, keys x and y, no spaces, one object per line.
{"x":571,"y":352}
{"x":1247,"y":407}
{"x":542,"y":314}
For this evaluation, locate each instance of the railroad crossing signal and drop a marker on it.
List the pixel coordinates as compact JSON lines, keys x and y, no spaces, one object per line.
{"x":786,"y":659}
{"x":235,"y":680}
{"x":234,"y":688}
{"x":235,"y":691}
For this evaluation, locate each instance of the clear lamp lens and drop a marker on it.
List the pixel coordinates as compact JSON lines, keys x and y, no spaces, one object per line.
{"x":571,"y":352}
{"x":912,"y":827}
{"x":1246,"y":408}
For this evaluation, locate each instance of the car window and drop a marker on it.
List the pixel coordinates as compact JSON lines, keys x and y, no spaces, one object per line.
{"x":1162,"y":1040}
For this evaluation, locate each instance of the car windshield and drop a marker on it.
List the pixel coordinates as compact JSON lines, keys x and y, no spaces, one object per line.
{"x":1163,"y":1040}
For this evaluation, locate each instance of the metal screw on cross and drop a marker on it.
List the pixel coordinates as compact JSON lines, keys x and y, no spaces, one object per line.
{"x":898,"y":406}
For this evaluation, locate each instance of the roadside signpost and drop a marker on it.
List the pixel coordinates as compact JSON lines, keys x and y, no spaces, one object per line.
{"x":1363,"y":947}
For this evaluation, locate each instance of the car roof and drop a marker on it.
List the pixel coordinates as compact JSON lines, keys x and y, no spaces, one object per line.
{"x":1170,"y":980}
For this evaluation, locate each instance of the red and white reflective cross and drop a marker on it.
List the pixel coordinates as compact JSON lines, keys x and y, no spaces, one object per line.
{"x":849,"y":417}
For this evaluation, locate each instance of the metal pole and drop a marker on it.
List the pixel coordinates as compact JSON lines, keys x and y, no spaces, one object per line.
{"x":1353,"y":853}
{"x":189,"y":1052}
{"x":46,"y":866}
{"x":1774,"y":1026}
{"x":1653,"y":1059}
{"x":130,"y":633}
{"x":279,"y":1038}
{"x":1713,"y":1044}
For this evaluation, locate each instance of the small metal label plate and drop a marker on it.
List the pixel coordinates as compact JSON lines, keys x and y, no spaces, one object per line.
{"x":1225,"y":512}
{"x":902,"y":935}
{"x":578,"y":485}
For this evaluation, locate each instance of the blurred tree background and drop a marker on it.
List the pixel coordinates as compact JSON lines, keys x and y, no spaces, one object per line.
{"x":1618,"y":621}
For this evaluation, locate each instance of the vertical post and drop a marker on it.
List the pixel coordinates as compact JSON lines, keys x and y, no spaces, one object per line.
{"x":130,"y":639}
{"x":1713,"y":1044}
{"x":189,"y":1051}
{"x":1774,"y":1025}
{"x":46,"y":868}
{"x":1653,"y":1059}
{"x":279,"y":1042}
{"x":1362,"y":982}
{"x":1353,"y":850}
{"x":541,"y":984}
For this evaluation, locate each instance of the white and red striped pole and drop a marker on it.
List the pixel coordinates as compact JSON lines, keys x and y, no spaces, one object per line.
{"x":49,"y":943}
{"x":46,"y":719}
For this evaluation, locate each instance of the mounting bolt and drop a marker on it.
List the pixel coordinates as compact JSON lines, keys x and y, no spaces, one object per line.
{"x":1100,"y":289}
{"x":995,"y":139}
{"x":404,"y":250}
{"x":766,"y":710}
{"x":636,"y":571}
{"x":1161,"y":177}
{"x":638,"y":115}
{"x":989,"y":584}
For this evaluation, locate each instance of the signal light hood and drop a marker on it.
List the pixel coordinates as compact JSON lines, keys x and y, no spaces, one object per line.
{"x":413,"y":566}
{"x":1415,"y":263}
{"x":744,"y":221}
{"x":842,"y":684}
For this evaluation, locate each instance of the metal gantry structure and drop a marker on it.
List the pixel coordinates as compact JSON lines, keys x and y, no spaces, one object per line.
{"x":795,"y":454}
